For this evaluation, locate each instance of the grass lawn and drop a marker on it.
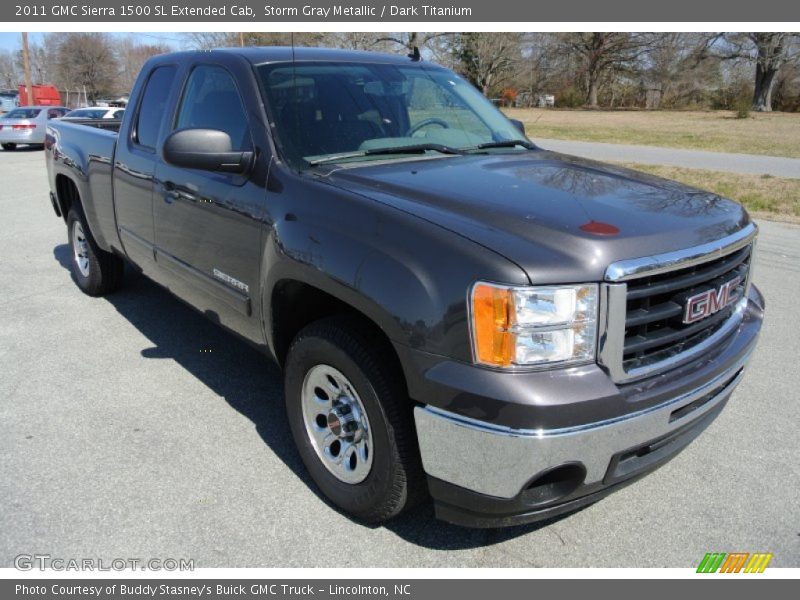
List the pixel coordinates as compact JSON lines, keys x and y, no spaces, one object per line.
{"x":763,"y":195}
{"x":772,"y":134}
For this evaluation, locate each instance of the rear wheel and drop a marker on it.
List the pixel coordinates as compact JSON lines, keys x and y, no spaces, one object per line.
{"x":352,"y":420}
{"x":95,"y":271}
{"x":9,"y":147}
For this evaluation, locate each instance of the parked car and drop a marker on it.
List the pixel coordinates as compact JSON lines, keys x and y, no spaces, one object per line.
{"x":457,"y":311}
{"x":27,"y":125}
{"x":96,"y":112}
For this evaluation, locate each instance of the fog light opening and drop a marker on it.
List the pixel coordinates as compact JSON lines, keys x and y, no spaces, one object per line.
{"x":554,"y":484}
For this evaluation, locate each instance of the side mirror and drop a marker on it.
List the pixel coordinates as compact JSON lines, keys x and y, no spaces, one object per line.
{"x":518,"y":124}
{"x":206,"y":149}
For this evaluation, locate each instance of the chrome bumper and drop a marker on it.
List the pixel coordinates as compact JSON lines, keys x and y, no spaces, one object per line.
{"x":500,"y":461}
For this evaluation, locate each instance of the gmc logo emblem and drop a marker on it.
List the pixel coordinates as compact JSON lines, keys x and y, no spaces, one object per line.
{"x":706,"y":303}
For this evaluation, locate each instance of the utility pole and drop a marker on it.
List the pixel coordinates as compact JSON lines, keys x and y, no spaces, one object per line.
{"x":26,"y":66}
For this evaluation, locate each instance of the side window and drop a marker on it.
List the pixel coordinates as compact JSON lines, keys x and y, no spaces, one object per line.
{"x":153,"y":105}
{"x":211,"y":101}
{"x":54,"y":113}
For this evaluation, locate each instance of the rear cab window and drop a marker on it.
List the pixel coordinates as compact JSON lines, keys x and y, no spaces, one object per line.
{"x":153,"y":105}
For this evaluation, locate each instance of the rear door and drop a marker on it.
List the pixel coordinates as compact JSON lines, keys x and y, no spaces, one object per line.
{"x":135,"y":166}
{"x":208,"y":224}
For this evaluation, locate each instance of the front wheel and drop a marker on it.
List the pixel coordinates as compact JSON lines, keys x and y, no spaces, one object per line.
{"x":352,"y":421}
{"x":95,"y":271}
{"x":9,"y":147}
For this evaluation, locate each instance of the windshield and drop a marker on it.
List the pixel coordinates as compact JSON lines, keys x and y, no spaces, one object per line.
{"x":23,"y":113}
{"x":324,"y":112}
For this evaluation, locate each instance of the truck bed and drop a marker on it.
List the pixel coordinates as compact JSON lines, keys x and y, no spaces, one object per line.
{"x":83,"y":151}
{"x":104,"y":124}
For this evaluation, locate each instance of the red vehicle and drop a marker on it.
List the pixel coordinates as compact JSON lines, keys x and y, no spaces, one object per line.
{"x":43,"y":95}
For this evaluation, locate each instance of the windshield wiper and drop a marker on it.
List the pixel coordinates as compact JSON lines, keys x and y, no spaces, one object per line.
{"x":502,"y":144}
{"x":410,"y":149}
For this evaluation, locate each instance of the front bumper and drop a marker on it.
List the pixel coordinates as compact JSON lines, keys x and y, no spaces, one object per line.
{"x":486,"y":474}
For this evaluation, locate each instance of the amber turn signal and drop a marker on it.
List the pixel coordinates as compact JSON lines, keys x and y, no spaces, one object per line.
{"x":492,"y":317}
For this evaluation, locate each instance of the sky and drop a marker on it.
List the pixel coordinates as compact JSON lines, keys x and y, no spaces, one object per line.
{"x":11,"y":41}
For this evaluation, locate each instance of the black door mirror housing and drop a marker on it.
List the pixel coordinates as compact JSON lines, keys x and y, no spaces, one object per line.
{"x":205,"y":149}
{"x":518,"y":124}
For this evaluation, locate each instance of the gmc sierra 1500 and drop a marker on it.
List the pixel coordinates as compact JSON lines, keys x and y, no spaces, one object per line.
{"x":457,"y":312}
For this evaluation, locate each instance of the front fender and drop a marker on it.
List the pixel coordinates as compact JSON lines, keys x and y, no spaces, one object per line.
{"x":409,"y":276}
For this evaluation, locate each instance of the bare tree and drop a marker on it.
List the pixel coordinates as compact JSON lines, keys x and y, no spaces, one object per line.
{"x":786,"y":93}
{"x":9,"y":71}
{"x":771,"y":53}
{"x":84,"y":60}
{"x":768,"y":50}
{"x":488,"y":59}
{"x":409,"y":41}
{"x":656,"y":70}
{"x":359,"y":40}
{"x":130,"y":56}
{"x":209,"y":40}
{"x":675,"y":74}
{"x":602,"y":54}
{"x":206,"y":40}
{"x":39,"y":60}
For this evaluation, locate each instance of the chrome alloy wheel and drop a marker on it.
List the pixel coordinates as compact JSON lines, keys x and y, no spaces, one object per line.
{"x":80,"y":248}
{"x":336,"y":424}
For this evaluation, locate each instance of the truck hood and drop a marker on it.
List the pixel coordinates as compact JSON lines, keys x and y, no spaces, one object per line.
{"x":560,"y":218}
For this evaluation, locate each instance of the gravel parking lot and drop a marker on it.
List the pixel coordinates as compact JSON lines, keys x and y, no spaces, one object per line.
{"x":132,"y":427}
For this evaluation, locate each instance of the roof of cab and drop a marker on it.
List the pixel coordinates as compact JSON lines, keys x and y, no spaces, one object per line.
{"x":270,"y":54}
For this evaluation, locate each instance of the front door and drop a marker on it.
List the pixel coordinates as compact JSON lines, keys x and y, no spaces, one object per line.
{"x":207,"y":224}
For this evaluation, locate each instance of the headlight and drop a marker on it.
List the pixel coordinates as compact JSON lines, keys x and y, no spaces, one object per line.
{"x":524,"y":326}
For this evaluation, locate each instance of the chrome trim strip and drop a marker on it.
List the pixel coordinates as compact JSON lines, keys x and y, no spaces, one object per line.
{"x":751,"y":265}
{"x":686,"y":398}
{"x":500,"y":461}
{"x":611,"y":338}
{"x":625,"y":270}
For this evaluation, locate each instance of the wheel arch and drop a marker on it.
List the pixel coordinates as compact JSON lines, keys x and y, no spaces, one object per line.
{"x":294,"y":304}
{"x":67,"y":194}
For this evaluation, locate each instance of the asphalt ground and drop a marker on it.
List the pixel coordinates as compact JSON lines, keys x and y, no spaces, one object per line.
{"x":131,"y":427}
{"x":753,"y":164}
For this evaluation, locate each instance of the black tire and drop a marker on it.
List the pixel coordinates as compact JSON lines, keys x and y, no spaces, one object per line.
{"x":102,"y":272}
{"x":395,"y":481}
{"x":9,"y":147}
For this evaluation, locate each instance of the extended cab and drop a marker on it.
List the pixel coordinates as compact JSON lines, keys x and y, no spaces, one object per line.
{"x":458,"y":313}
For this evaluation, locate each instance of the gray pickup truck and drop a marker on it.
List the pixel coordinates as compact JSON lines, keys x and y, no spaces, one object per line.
{"x":457,"y":312}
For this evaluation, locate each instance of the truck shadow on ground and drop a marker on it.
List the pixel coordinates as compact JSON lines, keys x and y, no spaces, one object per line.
{"x":253,"y":385}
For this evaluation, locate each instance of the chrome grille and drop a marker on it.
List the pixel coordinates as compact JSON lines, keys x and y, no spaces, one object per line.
{"x":642,"y":329}
{"x":655,"y":307}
